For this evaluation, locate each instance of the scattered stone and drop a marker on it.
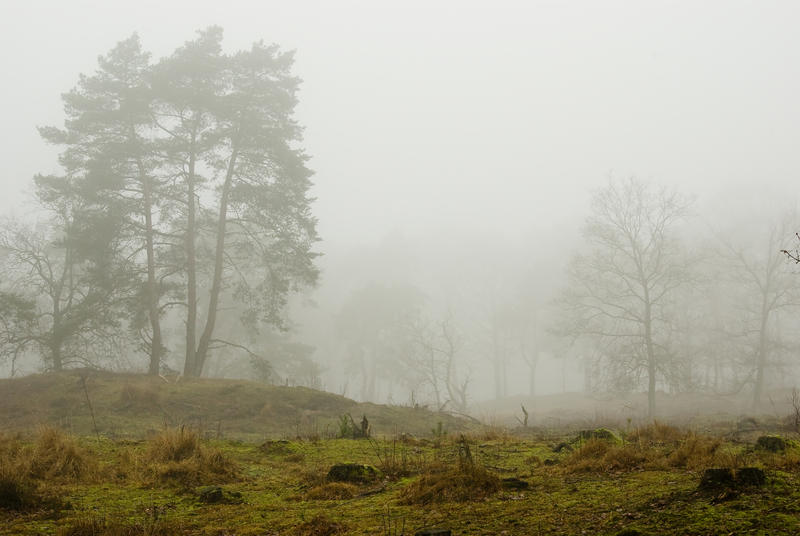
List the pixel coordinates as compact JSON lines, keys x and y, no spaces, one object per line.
{"x":771,"y":443}
{"x":599,"y":433}
{"x":355,"y":473}
{"x":433,"y":532}
{"x":716,"y":478}
{"x":750,"y":476}
{"x":514,"y":483}
{"x":216,"y":495}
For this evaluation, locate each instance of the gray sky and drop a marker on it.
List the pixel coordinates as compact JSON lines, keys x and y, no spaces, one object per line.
{"x":464,"y":115}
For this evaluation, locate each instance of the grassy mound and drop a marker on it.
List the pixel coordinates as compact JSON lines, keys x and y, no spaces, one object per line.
{"x":131,"y":405}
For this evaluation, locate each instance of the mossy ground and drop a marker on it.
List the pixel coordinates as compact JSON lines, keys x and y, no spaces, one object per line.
{"x":636,"y":487}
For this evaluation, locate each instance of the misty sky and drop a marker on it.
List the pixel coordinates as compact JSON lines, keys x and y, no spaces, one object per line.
{"x":498,"y":116}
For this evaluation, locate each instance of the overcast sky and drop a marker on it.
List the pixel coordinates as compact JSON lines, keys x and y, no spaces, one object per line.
{"x":498,"y":116}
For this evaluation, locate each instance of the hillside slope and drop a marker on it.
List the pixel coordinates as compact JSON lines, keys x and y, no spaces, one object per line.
{"x":130,"y":405}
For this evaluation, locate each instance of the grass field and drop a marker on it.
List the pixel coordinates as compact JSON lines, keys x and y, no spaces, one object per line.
{"x":184,"y":480}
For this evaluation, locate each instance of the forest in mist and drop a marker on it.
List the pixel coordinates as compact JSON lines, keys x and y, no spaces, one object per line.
{"x":179,"y":234}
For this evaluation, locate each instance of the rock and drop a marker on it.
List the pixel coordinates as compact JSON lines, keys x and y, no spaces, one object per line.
{"x":210,"y":494}
{"x":599,"y":433}
{"x":562,"y":446}
{"x":771,"y":443}
{"x":514,"y":483}
{"x":355,"y":473}
{"x":433,"y":532}
{"x":216,"y":495}
{"x":551,"y":461}
{"x":716,"y":478}
{"x":750,"y":476}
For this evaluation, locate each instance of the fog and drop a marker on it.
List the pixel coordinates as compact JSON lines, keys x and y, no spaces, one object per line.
{"x":456,"y":149}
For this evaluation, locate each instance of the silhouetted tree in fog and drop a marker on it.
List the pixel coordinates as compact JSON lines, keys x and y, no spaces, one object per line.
{"x":620,"y":287}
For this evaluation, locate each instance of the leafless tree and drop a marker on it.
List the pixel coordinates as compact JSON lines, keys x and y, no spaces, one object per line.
{"x":767,"y":287}
{"x":621,"y":287}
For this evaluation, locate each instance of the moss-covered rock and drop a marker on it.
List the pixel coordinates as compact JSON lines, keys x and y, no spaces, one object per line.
{"x":771,"y":443}
{"x":355,"y":473}
{"x":599,"y":433}
{"x":217,"y":495}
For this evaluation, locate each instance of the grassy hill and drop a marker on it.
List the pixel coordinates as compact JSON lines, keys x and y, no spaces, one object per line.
{"x":130,"y":405}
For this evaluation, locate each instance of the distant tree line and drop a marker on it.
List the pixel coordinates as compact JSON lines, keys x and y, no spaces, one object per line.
{"x":647,"y":303}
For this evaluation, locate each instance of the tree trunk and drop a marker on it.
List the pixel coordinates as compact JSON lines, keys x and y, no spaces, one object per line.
{"x":156,"y":344}
{"x":761,"y":357}
{"x":219,"y":257}
{"x":651,"y":359}
{"x":189,"y":367}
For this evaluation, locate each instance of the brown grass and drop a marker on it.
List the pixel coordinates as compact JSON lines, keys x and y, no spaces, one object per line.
{"x":657,"y":433}
{"x":178,"y":456}
{"x":655,"y":448}
{"x":320,"y":526}
{"x":58,"y":456}
{"x":98,"y":526}
{"x":17,"y":490}
{"x":446,"y":483}
{"x":694,"y":452}
{"x":332,"y":491}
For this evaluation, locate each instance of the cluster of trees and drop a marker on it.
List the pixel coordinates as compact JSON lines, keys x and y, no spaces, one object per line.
{"x":183,"y":201}
{"x":677,"y":312}
{"x":652,"y":300}
{"x":181,"y":224}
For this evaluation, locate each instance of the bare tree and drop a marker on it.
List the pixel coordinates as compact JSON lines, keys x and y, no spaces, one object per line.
{"x":766,"y":288}
{"x":620,"y":289}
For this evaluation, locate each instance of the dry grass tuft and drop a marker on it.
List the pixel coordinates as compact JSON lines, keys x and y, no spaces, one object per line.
{"x":444,"y":483}
{"x":657,"y":434}
{"x":177,"y":456}
{"x":648,"y":452}
{"x":58,"y":456}
{"x":694,"y":452}
{"x":332,"y":491}
{"x":17,"y":490}
{"x":98,"y":526}
{"x":320,"y":526}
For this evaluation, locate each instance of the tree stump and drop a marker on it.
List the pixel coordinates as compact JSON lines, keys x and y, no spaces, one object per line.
{"x":717,"y":478}
{"x":771,"y":443}
{"x":750,"y":476}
